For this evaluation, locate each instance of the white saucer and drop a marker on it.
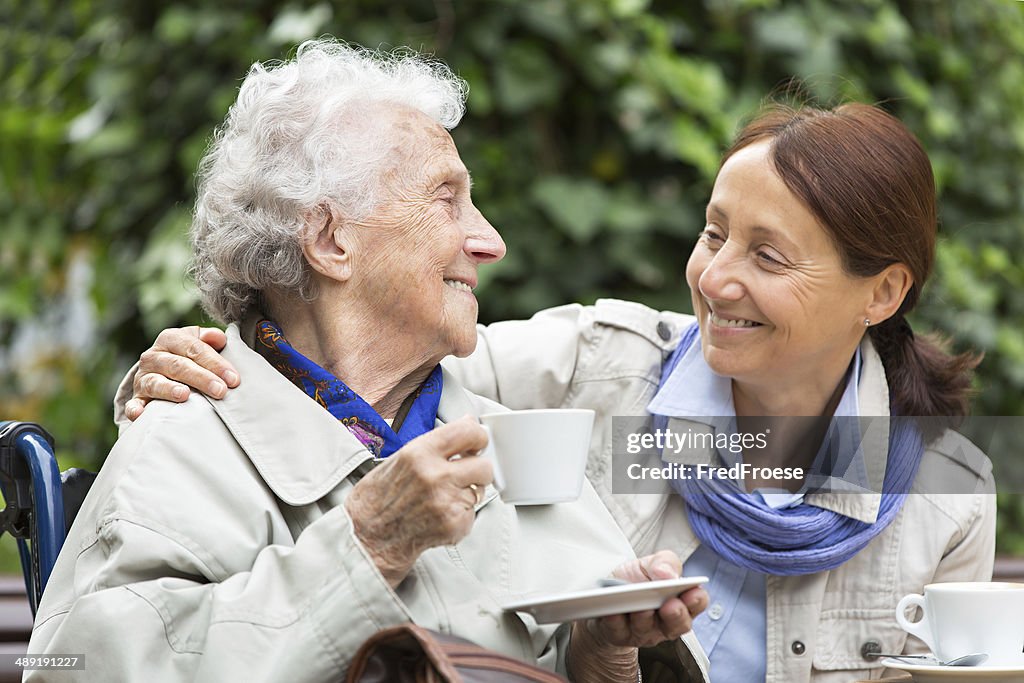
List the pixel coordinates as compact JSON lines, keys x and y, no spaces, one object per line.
{"x":927,"y":673}
{"x":600,"y":602}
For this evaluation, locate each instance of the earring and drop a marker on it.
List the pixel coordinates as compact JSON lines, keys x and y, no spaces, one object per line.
{"x":867,"y":322}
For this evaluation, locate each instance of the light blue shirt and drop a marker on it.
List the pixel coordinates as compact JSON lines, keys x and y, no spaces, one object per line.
{"x":732,"y":629}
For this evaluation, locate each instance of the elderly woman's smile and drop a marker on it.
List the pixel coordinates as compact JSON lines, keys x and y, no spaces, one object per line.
{"x":411,"y":263}
{"x":460,"y":285}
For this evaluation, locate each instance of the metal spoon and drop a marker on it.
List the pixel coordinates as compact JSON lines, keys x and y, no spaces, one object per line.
{"x":609,"y":582}
{"x":976,"y":659}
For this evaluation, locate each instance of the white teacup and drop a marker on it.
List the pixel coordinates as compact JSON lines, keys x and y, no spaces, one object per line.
{"x":963,"y":618}
{"x":539,"y":456}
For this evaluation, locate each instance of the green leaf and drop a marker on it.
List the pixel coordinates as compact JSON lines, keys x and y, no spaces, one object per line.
{"x":693,"y":144}
{"x":165,"y":293}
{"x":526,"y":78}
{"x":578,"y":206}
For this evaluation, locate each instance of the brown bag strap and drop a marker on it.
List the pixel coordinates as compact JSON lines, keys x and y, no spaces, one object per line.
{"x":381,"y":656}
{"x":412,"y":654}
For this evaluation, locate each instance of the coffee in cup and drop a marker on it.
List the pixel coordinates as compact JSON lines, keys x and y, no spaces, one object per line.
{"x":964,"y":618}
{"x":539,"y":456}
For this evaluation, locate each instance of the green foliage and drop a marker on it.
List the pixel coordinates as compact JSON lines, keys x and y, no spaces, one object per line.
{"x":594,"y":132}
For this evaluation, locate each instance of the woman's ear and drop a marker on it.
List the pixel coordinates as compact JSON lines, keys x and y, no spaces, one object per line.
{"x":327,"y":246}
{"x":890,"y":289}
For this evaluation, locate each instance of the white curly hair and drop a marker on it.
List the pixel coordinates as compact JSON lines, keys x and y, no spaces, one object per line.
{"x":281,"y":154}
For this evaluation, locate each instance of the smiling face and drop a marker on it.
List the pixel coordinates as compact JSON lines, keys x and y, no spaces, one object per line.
{"x":416,"y":255}
{"x":776,"y":309}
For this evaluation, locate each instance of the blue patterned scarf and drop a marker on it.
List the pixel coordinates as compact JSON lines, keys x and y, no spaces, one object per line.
{"x":415,"y":417}
{"x":743,"y":529}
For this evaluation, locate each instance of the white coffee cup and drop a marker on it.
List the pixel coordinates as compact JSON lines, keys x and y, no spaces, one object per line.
{"x":964,"y":618}
{"x":539,"y":456}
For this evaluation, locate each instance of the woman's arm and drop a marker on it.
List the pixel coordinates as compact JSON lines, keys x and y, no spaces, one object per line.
{"x":527,"y":363}
{"x":520,"y":363}
{"x":973,"y":557}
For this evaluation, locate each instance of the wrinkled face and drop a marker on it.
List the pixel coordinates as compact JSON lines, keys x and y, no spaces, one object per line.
{"x":424,"y":241}
{"x":776,"y":308}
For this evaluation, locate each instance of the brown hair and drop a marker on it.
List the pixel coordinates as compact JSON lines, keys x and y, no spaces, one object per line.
{"x":869,"y":182}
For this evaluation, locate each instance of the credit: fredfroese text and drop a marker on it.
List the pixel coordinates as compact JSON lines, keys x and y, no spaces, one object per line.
{"x":739,"y":471}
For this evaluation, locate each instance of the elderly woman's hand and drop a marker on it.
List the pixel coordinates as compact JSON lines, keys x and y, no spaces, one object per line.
{"x":420,"y":497}
{"x":604,"y":649}
{"x":181,"y":357}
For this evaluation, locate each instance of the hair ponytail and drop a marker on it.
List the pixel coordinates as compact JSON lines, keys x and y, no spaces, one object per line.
{"x":925,"y":380}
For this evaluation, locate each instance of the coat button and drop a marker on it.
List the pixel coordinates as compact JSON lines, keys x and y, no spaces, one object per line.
{"x":798,"y":648}
{"x":870,"y":650}
{"x":664,"y":330}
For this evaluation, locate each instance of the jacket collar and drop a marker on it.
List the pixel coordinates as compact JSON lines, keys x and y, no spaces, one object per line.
{"x":455,"y":401}
{"x":301,"y":451}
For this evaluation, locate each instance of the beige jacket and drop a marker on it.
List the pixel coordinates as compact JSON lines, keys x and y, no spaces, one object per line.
{"x":214,"y":547}
{"x":608,"y":357}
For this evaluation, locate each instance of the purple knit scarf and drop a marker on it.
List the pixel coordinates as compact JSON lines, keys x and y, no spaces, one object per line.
{"x":741,"y":528}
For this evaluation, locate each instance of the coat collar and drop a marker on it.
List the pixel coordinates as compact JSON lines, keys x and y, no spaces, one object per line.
{"x":302,"y":452}
{"x":455,"y":401}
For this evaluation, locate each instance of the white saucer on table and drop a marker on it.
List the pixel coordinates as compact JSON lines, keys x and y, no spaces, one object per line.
{"x":933,"y":673}
{"x":601,"y":602}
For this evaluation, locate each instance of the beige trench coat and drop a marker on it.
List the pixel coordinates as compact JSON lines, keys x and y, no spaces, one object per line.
{"x":214,"y":547}
{"x":608,"y":357}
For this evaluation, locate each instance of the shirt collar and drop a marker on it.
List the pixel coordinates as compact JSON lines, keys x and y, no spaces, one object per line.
{"x":849,"y":405}
{"x":694,"y":390}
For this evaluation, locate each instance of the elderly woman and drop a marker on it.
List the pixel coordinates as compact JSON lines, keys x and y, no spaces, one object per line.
{"x":265,"y":537}
{"x":819,"y":237}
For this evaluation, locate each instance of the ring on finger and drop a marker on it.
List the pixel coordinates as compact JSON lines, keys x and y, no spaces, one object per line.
{"x":476,"y":493}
